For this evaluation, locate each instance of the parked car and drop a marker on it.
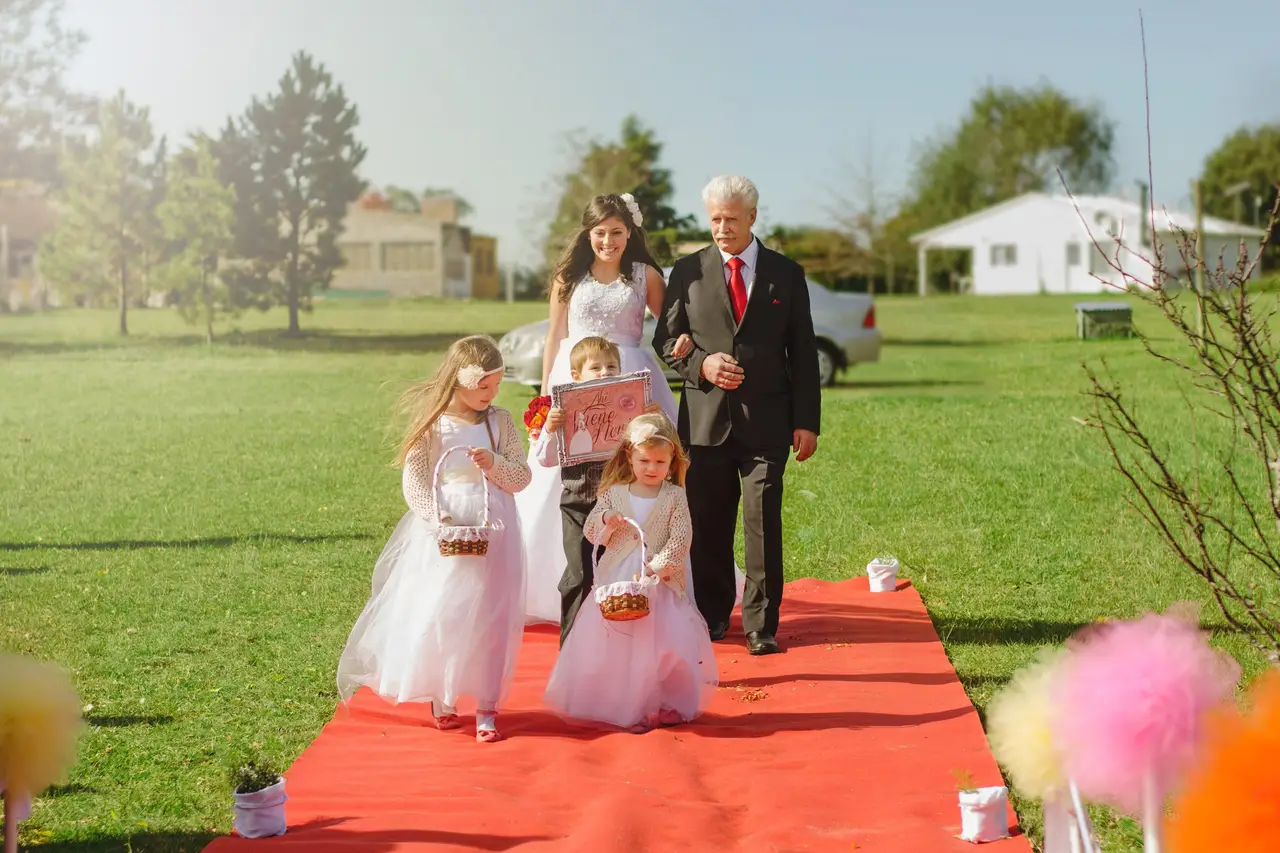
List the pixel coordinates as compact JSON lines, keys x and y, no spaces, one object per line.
{"x":845,"y":324}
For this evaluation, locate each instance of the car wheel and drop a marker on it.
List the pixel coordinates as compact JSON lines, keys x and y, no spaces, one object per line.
{"x":826,"y":366}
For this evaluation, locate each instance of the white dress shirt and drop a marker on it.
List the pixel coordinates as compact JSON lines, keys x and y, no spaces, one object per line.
{"x":749,"y":257}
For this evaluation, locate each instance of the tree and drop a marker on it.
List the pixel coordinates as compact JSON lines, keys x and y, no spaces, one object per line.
{"x":827,"y":255}
{"x":108,"y":202}
{"x":407,"y":201}
{"x":1012,"y":141}
{"x":1248,"y":163}
{"x":629,"y":165}
{"x":292,"y":160}
{"x":36,"y":108}
{"x":197,"y":218}
{"x":863,"y":211}
{"x":1015,"y":141}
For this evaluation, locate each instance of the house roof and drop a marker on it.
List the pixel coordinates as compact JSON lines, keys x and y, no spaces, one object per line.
{"x":1089,"y":206}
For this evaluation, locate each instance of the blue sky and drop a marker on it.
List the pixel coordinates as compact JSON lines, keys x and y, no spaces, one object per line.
{"x":478,"y":95}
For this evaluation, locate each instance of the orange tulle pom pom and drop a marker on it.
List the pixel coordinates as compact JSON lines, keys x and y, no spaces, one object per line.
{"x":1231,"y":796}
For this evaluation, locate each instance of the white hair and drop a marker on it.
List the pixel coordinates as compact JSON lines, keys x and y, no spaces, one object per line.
{"x":731,"y":188}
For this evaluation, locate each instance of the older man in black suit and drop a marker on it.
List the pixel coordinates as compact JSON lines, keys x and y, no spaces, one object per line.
{"x":752,"y":393}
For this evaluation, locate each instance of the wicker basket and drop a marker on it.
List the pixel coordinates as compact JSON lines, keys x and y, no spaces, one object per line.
{"x":626,"y":601}
{"x":457,"y":540}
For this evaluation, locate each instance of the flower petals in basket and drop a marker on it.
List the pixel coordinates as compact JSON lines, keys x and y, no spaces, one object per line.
{"x":624,"y":601}
{"x":457,"y":540}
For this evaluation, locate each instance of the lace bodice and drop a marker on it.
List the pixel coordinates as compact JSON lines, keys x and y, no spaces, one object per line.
{"x":668,"y":531}
{"x":614,"y":311}
{"x":510,"y":471}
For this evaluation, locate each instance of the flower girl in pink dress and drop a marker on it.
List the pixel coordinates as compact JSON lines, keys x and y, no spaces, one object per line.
{"x":660,"y":668}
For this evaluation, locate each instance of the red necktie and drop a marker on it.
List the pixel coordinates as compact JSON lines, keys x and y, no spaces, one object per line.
{"x":737,"y":288}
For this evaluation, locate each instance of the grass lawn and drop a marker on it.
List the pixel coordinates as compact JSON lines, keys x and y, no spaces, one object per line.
{"x":191,"y":529}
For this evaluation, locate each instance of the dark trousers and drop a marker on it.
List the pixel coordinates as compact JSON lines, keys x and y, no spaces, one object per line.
{"x":720,"y":478}
{"x":577,"y":500}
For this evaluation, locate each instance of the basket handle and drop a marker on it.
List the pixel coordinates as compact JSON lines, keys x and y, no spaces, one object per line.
{"x":644,"y":550}
{"x":435,"y":486}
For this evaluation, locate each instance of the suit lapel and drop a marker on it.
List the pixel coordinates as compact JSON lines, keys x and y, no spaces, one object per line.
{"x":713,"y":277}
{"x":760,"y":285}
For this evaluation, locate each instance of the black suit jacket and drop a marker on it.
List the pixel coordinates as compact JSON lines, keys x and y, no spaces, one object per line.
{"x":774,"y":345}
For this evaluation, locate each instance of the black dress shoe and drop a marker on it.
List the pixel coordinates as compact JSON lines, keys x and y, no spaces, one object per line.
{"x":717,"y":631}
{"x":759,"y":643}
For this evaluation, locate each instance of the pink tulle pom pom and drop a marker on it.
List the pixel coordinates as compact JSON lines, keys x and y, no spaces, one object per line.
{"x":1132,"y":700}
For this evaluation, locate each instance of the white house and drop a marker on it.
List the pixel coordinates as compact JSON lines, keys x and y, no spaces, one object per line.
{"x":1040,"y":243}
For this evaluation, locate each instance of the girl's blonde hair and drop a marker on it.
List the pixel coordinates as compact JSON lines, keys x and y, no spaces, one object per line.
{"x":648,"y":430}
{"x":425,"y":402}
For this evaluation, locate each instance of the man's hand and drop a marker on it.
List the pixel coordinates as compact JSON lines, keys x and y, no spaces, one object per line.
{"x":722,"y":371}
{"x":684,"y":346}
{"x":482,"y":456}
{"x":555,"y":420}
{"x":805,"y":443}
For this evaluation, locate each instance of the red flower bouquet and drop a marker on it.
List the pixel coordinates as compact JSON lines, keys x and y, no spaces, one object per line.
{"x":536,"y":415}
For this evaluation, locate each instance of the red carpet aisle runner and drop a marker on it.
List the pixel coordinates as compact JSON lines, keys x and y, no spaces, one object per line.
{"x":846,"y":742}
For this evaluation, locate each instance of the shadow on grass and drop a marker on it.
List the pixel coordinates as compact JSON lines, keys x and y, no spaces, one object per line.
{"x":906,"y":383}
{"x":144,"y":842}
{"x":125,"y":722}
{"x":999,"y":632}
{"x":344,"y":342}
{"x":949,"y":342}
{"x":323,"y":340}
{"x":68,"y":790}
{"x":207,"y":542}
{"x":6,"y":571}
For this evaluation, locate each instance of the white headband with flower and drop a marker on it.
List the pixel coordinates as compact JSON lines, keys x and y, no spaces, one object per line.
{"x":472,"y":375}
{"x":641,"y":432}
{"x":637,"y":219}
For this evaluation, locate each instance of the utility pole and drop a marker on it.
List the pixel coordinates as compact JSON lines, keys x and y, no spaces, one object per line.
{"x":1236,"y":192}
{"x":1199,"y":262}
{"x":511,"y":285}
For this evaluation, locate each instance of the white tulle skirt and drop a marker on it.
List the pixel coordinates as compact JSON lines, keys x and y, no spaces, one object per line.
{"x":622,"y":673}
{"x":539,"y":504}
{"x":441,"y":628}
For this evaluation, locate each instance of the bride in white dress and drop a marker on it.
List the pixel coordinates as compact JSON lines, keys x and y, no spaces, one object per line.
{"x":605,"y":281}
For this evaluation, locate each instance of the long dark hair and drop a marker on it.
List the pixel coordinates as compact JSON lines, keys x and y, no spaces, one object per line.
{"x":577,"y":258}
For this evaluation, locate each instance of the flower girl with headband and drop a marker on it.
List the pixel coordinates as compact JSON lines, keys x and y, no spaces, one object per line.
{"x":658,"y":668}
{"x":446,"y":616}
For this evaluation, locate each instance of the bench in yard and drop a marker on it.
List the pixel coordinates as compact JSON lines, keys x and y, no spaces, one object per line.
{"x":1103,"y":320}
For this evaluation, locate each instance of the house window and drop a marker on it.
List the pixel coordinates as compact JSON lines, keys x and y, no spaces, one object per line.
{"x":1073,"y":254}
{"x":456,"y":268}
{"x":357,"y":256}
{"x":408,"y":257}
{"x":1004,"y":255}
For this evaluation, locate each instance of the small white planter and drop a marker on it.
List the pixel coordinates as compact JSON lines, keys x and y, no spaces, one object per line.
{"x":261,"y":814}
{"x":984,"y":814}
{"x":882,"y":575}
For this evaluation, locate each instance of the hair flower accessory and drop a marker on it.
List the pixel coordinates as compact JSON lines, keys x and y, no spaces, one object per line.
{"x":641,"y":432}
{"x":472,"y":375}
{"x":633,"y":208}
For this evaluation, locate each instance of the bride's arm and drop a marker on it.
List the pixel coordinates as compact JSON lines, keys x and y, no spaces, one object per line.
{"x":556,"y":333}
{"x":655,"y":291}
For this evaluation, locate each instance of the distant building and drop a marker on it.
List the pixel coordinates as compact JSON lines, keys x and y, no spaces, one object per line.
{"x":415,"y":254}
{"x":26,"y":217}
{"x":1040,"y":243}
